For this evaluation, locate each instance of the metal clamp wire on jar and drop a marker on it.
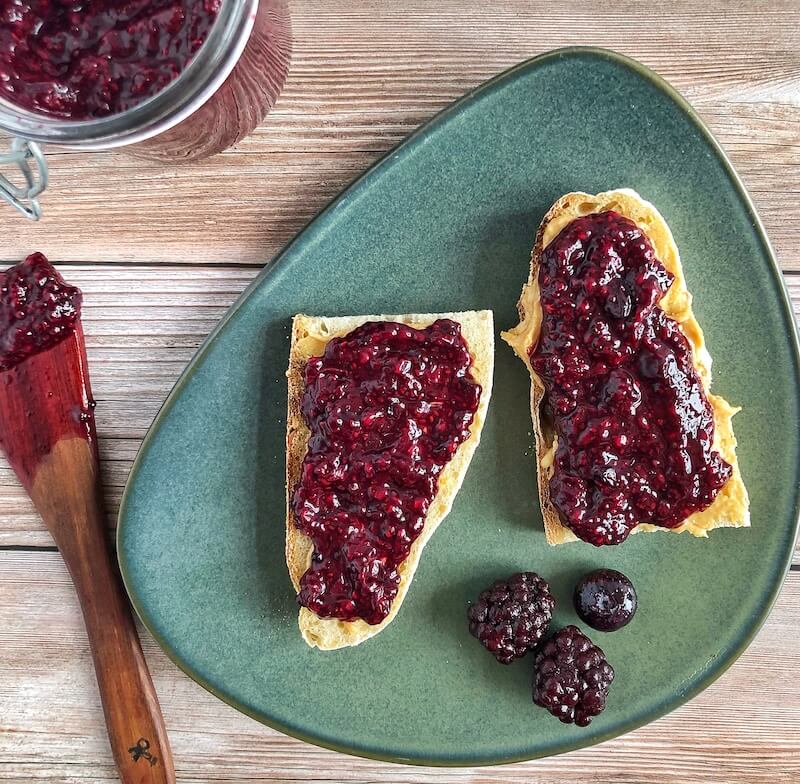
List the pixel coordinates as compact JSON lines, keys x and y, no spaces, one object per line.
{"x":24,"y":198}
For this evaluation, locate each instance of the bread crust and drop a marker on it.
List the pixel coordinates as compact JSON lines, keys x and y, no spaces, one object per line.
{"x":731,"y":506}
{"x":310,"y":334}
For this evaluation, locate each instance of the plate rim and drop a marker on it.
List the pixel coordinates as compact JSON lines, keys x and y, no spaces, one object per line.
{"x":780,"y":568}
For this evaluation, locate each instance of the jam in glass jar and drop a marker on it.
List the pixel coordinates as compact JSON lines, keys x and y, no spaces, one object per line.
{"x":173,"y":80}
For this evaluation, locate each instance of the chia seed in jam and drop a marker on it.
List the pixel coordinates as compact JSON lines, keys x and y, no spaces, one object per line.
{"x":387,"y":407}
{"x":635,"y":428}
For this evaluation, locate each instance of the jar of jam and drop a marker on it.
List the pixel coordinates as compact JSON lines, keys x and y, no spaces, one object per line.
{"x":173,"y":80}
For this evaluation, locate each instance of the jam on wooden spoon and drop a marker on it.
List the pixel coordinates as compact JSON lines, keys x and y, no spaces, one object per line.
{"x":47,"y":431}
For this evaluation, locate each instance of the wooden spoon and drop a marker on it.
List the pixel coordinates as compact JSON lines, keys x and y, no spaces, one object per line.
{"x":47,"y":431}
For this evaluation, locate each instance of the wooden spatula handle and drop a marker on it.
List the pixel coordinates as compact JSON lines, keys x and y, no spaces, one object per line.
{"x":133,"y":716}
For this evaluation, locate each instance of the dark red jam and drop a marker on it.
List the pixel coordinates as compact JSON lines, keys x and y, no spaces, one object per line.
{"x":83,"y":59}
{"x":634,"y":426}
{"x":37,"y":309}
{"x":387,"y":406}
{"x":45,"y":394}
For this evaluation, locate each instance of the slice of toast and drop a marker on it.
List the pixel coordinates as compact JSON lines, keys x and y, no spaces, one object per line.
{"x":310,"y":334}
{"x":731,"y":506}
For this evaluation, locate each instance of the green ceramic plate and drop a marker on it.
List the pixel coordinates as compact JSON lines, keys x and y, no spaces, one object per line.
{"x":445,"y":222}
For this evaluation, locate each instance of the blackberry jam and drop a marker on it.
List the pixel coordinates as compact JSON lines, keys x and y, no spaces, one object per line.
{"x":172,"y":80}
{"x":45,"y":394}
{"x":635,"y":428}
{"x":37,"y":309}
{"x":84,"y":59}
{"x":387,"y":407}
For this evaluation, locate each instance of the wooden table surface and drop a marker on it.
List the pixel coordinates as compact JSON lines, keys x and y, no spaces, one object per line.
{"x":161,"y":252}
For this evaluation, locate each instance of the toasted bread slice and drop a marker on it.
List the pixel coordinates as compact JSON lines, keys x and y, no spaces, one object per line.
{"x":731,"y":506}
{"x":309,"y":336}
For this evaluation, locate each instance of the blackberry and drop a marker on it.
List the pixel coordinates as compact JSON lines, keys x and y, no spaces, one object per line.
{"x":512,"y":616}
{"x":571,"y":677}
{"x":605,"y":599}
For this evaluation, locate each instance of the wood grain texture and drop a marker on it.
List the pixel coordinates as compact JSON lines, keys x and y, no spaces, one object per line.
{"x":54,"y":455}
{"x":746,"y":728}
{"x":364,"y":75}
{"x":66,"y":492}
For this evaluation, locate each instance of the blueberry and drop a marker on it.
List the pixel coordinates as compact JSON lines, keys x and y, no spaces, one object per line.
{"x":605,"y":599}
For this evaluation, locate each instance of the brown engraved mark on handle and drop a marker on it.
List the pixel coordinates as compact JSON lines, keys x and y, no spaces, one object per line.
{"x":140,"y":751}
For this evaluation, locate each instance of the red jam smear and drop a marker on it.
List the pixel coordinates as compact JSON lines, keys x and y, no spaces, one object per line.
{"x":387,"y":407}
{"x":45,"y":393}
{"x":635,"y":428}
{"x":84,"y":59}
{"x":37,"y":309}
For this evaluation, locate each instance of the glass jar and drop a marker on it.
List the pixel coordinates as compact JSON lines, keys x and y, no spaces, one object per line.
{"x":221,"y":95}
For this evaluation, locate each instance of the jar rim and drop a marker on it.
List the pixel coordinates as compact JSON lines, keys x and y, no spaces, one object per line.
{"x":183,"y":96}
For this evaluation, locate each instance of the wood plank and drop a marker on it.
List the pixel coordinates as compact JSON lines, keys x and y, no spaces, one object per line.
{"x":140,"y":335}
{"x":365,"y":75}
{"x":744,"y":728}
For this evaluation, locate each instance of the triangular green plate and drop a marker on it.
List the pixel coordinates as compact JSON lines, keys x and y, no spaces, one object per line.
{"x":445,"y":222}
